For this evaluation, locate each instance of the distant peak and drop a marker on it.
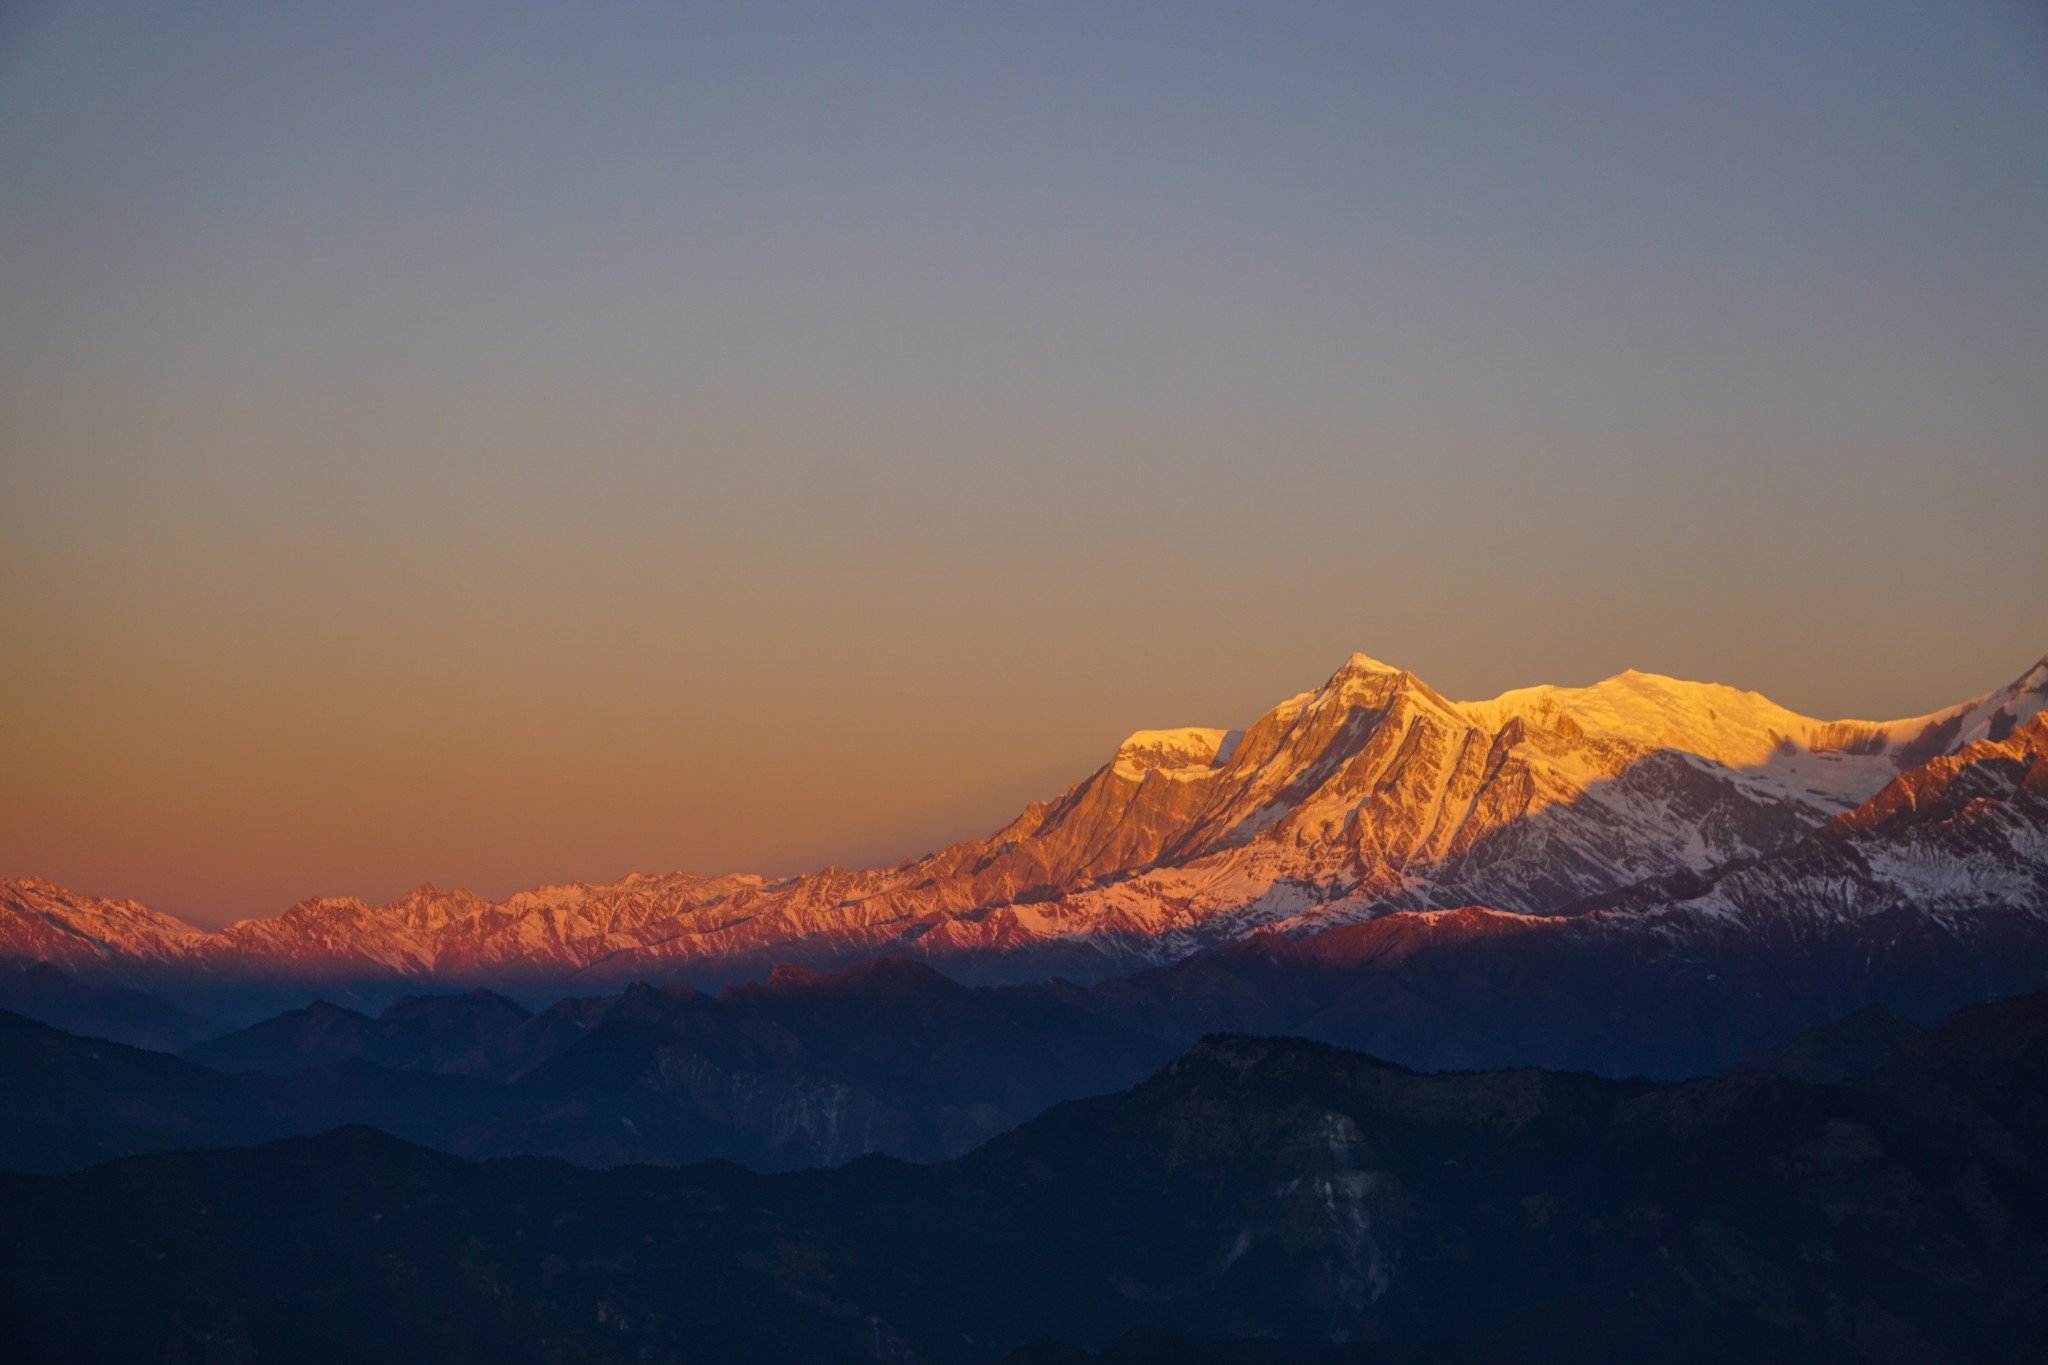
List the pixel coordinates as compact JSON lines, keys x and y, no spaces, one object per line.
{"x":2034,"y":679}
{"x":1363,"y":666}
{"x":1177,"y":750}
{"x":430,"y":891}
{"x":1642,"y":680}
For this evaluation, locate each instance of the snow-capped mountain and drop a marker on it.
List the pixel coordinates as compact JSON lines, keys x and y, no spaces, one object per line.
{"x":1368,"y":795}
{"x":42,"y":922}
{"x":1960,"y":833}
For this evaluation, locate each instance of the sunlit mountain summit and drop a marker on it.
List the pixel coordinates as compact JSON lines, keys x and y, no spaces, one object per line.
{"x":1368,"y":795}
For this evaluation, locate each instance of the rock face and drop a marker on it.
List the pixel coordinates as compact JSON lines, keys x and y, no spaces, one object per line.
{"x":1368,"y":795}
{"x":1958,"y":833}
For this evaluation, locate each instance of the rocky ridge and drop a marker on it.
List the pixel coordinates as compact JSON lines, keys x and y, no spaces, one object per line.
{"x":1369,"y":795}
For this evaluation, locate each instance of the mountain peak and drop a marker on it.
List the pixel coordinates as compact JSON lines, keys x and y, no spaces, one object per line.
{"x":1364,"y":680}
{"x":1641,"y":680}
{"x":2033,"y":680}
{"x":1369,"y":794}
{"x":1188,"y":749}
{"x":1361,"y":665}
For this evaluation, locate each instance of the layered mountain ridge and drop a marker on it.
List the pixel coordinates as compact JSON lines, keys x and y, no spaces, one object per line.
{"x":1287,"y":1200}
{"x":1369,"y":795}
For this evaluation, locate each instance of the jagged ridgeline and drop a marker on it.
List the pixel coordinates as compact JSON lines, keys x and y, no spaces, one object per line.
{"x":1285,"y":1201}
{"x":1655,"y":978}
{"x":1369,"y":795}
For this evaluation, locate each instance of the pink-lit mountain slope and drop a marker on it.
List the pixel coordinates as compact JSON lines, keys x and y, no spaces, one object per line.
{"x":1368,"y":795}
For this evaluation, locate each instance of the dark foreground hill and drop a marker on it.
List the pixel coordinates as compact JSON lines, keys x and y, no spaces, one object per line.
{"x":1266,"y":1194}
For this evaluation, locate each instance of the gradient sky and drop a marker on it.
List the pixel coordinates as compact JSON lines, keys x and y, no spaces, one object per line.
{"x":508,"y":443}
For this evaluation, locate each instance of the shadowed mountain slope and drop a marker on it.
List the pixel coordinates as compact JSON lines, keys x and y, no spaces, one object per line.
{"x":800,"y":1070}
{"x":417,"y":1033}
{"x":45,"y":991}
{"x":1269,"y":1190}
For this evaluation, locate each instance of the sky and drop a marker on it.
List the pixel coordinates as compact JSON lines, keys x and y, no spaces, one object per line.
{"x":517,"y":443}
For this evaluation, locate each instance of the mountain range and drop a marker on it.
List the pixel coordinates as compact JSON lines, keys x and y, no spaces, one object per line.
{"x":800,"y":1070}
{"x":1281,"y":1200}
{"x":1694,"y":805}
{"x":1642,"y":1020}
